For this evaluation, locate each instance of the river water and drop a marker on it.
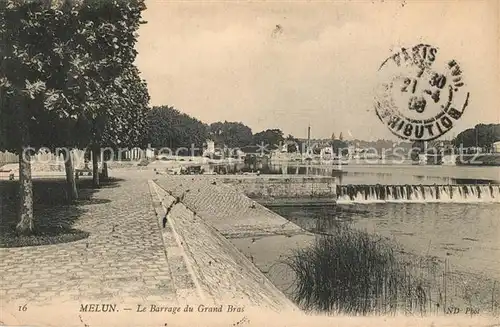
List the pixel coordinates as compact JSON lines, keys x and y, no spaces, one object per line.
{"x":452,"y":239}
{"x":463,"y":230}
{"x":467,"y":235}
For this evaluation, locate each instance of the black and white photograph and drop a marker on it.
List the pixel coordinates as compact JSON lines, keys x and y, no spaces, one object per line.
{"x":249,"y":163}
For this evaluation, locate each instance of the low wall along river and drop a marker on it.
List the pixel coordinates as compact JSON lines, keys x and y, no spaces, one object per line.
{"x":283,"y":187}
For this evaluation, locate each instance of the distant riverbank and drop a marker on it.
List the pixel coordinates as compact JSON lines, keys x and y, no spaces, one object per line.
{"x":482,"y":160}
{"x":455,"y":172}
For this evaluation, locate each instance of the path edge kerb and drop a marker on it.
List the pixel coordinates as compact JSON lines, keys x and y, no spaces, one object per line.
{"x":173,"y":247}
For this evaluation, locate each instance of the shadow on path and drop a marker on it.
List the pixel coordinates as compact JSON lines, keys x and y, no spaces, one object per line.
{"x":54,"y":215}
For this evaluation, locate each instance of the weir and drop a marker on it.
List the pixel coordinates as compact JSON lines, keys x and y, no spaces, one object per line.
{"x":418,"y":193}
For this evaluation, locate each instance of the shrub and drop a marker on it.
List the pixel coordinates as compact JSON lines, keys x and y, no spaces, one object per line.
{"x":143,"y":162}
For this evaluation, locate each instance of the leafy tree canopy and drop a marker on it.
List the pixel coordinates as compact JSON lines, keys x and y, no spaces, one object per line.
{"x":270,"y":137}
{"x":168,"y":127}
{"x":62,"y":62}
{"x":293,"y":144}
{"x":484,"y":134}
{"x":231,"y":134}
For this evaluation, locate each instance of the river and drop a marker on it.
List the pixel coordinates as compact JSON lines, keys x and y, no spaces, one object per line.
{"x":464,"y":233}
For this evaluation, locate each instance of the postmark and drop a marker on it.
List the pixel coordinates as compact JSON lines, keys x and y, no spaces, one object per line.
{"x":420,"y":96}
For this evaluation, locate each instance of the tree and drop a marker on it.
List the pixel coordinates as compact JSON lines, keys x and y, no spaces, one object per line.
{"x":98,"y":84}
{"x":487,"y":134}
{"x":93,"y":55}
{"x":110,"y":53}
{"x":25,"y":36}
{"x":293,"y":144}
{"x":338,"y":146}
{"x":270,"y":137}
{"x":482,"y":135}
{"x":62,"y":106}
{"x":417,"y":148}
{"x":125,"y":124}
{"x":169,"y":128}
{"x":231,"y":134}
{"x":91,"y":44}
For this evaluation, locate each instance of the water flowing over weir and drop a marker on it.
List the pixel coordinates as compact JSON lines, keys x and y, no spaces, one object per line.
{"x":418,"y":193}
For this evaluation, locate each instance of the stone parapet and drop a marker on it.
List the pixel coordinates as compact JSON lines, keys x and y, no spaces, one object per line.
{"x":283,"y":187}
{"x":220,"y":274}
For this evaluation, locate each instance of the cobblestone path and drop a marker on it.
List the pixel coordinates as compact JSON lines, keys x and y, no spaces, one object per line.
{"x":124,"y":257}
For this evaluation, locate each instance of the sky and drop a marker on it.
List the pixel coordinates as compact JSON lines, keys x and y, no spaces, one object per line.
{"x":291,"y":64}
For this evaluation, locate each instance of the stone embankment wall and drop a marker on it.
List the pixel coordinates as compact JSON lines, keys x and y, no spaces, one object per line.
{"x":283,"y":187}
{"x":232,"y":213}
{"x":218,"y":272}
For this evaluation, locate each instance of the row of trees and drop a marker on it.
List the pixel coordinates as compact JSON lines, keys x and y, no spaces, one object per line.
{"x":230,"y":134}
{"x":168,"y":127}
{"x":482,"y":135}
{"x":68,"y":80}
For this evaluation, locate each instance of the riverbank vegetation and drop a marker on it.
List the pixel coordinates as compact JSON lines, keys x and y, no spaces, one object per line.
{"x":352,"y":272}
{"x":348,"y":271}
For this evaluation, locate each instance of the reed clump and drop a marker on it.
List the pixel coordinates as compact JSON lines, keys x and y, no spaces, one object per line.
{"x":352,"y":272}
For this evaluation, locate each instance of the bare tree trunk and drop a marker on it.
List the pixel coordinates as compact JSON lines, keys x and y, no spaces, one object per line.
{"x":26,"y":224}
{"x":105,"y":174}
{"x":95,"y":167}
{"x":70,"y":176}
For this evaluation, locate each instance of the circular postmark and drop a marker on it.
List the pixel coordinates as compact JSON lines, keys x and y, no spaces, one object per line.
{"x":420,"y":97}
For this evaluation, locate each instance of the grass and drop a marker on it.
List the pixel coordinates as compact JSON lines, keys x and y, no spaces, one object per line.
{"x":42,"y":237}
{"x":54,"y":215}
{"x":349,"y":271}
{"x":353,"y":272}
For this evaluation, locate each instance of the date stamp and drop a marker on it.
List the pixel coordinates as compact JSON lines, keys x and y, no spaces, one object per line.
{"x":420,"y":97}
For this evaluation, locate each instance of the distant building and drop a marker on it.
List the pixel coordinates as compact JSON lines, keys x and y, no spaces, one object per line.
{"x":150,"y":153}
{"x":327,"y":153}
{"x":209,"y":151}
{"x":352,"y":150}
{"x":210,"y":146}
{"x":496,"y":147}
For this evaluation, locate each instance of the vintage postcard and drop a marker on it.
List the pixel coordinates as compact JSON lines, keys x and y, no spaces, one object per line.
{"x":249,"y":163}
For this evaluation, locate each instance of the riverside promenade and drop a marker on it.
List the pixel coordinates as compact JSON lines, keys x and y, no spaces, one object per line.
{"x":144,"y":274}
{"x":127,"y":260}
